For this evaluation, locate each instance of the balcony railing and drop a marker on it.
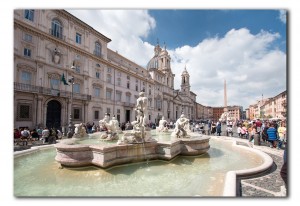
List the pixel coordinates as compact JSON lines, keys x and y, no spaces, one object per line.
{"x":98,"y":54}
{"x":48,"y":91}
{"x":57,"y":34}
{"x":127,"y":104}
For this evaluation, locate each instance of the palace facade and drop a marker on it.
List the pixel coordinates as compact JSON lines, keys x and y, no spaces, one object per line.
{"x":63,"y":66}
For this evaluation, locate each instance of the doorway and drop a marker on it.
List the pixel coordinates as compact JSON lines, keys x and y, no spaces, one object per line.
{"x":53,"y":118}
{"x":127,"y":116}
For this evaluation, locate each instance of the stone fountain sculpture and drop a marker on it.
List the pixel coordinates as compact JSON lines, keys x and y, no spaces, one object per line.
{"x":112,"y":128}
{"x":135,"y":146}
{"x":140,"y":132}
{"x":162,"y":125}
{"x":79,"y":131}
{"x":181,"y":127}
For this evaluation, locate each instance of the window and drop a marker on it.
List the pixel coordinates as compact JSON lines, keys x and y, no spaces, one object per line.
{"x":158,"y":104}
{"x":119,"y":74}
{"x":136,"y":87}
{"x":127,"y":98}
{"x":27,"y":52}
{"x":77,"y":68}
{"x":29,"y":14}
{"x":119,"y":81}
{"x":54,"y":83}
{"x":97,"y":51}
{"x":108,"y":70}
{"x":98,"y":75}
{"x":77,"y":115}
{"x":108,"y":110}
{"x":56,"y":29}
{"x":78,"y":38}
{"x":24,"y":112}
{"x":77,"y":57}
{"x":26,"y":77}
{"x":128,"y":77}
{"x":150,"y":102}
{"x":28,"y":37}
{"x":76,"y":88}
{"x":97,"y":92}
{"x":108,"y":78}
{"x":118,"y":96}
{"x":128,"y":85}
{"x":118,"y":111}
{"x":96,"y":115}
{"x":108,"y":94}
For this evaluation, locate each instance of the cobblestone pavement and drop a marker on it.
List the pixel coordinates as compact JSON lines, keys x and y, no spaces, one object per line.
{"x":269,"y":184}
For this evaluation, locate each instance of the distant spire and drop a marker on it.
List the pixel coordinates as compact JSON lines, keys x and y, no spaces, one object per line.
{"x":225,"y":96}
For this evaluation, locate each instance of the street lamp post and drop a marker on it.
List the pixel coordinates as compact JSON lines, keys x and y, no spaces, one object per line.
{"x":71,"y":126}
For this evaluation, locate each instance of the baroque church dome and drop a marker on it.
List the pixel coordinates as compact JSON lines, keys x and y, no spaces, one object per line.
{"x":153,"y":63}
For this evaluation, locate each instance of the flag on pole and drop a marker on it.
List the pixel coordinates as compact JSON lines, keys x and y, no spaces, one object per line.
{"x":64,"y":80}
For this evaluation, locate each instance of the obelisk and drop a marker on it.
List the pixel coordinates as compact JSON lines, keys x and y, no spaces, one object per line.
{"x":225,"y":97}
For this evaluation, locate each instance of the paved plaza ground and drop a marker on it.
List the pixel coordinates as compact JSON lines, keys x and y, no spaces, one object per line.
{"x":268,"y":184}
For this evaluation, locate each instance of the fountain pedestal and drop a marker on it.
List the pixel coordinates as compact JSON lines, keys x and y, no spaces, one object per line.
{"x":107,"y":156}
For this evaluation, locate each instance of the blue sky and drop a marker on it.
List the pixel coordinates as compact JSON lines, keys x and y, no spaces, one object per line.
{"x":245,"y":47}
{"x":188,"y":27}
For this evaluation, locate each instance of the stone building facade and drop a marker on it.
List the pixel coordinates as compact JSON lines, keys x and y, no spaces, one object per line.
{"x":273,"y":107}
{"x":63,"y":66}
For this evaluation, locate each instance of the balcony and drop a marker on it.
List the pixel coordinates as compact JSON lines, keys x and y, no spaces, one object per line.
{"x":127,"y":104}
{"x":47,"y":91}
{"x":98,"y":54}
{"x":57,"y":34}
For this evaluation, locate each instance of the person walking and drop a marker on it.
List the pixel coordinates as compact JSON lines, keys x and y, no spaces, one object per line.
{"x":264,"y":134}
{"x":281,"y":134}
{"x":219,"y":128}
{"x":272,"y":135}
{"x":45,"y":135}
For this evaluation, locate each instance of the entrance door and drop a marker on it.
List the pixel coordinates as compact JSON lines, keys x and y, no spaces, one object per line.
{"x":53,"y":114}
{"x":127,"y":115}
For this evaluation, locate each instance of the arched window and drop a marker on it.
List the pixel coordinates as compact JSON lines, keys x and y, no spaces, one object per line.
{"x":56,"y":29}
{"x":98,"y":48}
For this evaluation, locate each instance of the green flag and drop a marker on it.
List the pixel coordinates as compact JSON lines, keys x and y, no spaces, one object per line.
{"x":64,"y":80}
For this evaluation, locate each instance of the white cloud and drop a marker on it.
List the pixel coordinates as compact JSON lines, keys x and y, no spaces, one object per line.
{"x":125,"y":28}
{"x":247,"y":61}
{"x":282,"y":16}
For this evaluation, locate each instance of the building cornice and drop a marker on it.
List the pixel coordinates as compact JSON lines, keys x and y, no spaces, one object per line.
{"x":69,"y":16}
{"x":28,"y":28}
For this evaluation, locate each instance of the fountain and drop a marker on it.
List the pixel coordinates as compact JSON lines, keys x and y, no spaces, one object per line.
{"x":136,"y":145}
{"x":192,"y":167}
{"x":112,"y":128}
{"x":184,"y":176}
{"x":162,"y":125}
